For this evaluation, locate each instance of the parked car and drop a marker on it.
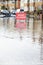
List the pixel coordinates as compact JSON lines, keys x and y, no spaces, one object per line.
{"x":18,"y":10}
{"x":5,"y":12}
{"x":1,"y":15}
{"x":13,"y":12}
{"x":21,"y":10}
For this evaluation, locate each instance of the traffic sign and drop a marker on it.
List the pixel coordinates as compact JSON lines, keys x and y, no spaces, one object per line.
{"x":21,"y":16}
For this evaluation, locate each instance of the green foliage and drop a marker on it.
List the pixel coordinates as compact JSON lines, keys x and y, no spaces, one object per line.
{"x":3,"y":7}
{"x":38,"y":10}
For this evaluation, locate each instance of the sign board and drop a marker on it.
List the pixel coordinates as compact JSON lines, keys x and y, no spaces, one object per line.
{"x":21,"y":16}
{"x":21,"y":25}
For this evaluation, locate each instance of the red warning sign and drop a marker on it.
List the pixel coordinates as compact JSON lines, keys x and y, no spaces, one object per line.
{"x":21,"y":16}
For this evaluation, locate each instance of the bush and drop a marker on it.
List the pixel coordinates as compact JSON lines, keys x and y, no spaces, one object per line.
{"x":38,"y":11}
{"x":3,"y":7}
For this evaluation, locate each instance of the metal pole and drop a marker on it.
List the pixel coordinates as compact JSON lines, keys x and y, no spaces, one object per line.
{"x":34,"y":6}
{"x":15,"y":4}
{"x":7,"y":4}
{"x":28,"y":6}
{"x":42,"y":13}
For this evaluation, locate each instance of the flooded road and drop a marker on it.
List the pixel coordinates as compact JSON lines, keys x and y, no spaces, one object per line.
{"x":21,"y":46}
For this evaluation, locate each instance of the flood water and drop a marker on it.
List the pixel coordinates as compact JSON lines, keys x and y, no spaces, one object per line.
{"x":21,"y":46}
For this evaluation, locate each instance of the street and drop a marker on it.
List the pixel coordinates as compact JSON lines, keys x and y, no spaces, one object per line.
{"x":21,"y":46}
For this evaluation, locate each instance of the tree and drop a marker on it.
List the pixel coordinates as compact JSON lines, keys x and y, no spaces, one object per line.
{"x":4,"y":4}
{"x":3,"y":7}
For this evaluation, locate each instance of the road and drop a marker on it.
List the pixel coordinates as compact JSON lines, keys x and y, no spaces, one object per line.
{"x":21,"y":46}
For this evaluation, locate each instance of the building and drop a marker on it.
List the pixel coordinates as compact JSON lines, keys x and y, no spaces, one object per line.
{"x":14,"y":4}
{"x":31,"y":5}
{"x":27,"y":5}
{"x":11,"y":4}
{"x":23,"y":5}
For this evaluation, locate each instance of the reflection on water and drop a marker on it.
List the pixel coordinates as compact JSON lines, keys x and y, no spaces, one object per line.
{"x":33,"y":28}
{"x":41,"y":41}
{"x":36,"y":29}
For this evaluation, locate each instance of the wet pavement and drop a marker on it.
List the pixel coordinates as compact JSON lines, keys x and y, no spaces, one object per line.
{"x":21,"y":46}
